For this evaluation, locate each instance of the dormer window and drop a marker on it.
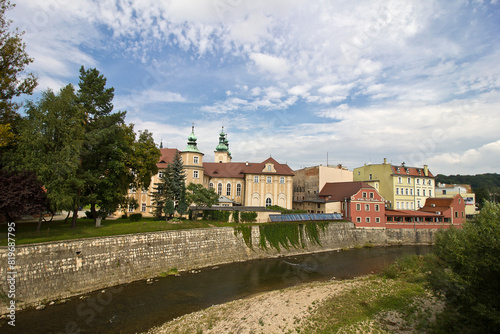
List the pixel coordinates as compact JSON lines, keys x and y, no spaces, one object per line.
{"x":269,"y":168}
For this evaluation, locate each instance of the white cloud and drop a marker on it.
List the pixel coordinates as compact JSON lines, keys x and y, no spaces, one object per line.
{"x":270,"y":64}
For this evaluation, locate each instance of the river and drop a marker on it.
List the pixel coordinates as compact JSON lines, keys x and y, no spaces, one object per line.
{"x":138,"y":306}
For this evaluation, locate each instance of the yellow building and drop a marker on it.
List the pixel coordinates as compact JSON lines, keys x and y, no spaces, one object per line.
{"x":237,"y":183}
{"x":464,"y":190}
{"x":404,"y":188}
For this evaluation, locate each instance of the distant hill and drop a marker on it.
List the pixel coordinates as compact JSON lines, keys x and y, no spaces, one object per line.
{"x":488,"y":181}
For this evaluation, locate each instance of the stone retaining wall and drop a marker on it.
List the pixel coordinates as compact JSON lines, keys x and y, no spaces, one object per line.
{"x":55,"y":270}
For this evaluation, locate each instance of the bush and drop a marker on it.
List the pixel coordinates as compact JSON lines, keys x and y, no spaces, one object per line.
{"x":236,"y":216}
{"x":135,"y":217}
{"x":216,"y":215}
{"x":248,"y":217}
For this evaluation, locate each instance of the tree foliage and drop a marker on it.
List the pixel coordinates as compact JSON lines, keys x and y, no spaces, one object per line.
{"x":469,"y":273}
{"x":14,"y":81}
{"x":21,"y":193}
{"x":485,"y":186}
{"x":201,"y":196}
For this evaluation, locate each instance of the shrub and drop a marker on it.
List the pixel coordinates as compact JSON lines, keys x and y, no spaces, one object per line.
{"x":248,"y":217}
{"x":135,"y":217}
{"x":216,"y":215}
{"x":236,"y":216}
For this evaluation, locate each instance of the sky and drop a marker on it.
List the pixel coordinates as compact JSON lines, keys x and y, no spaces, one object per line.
{"x":307,"y":82}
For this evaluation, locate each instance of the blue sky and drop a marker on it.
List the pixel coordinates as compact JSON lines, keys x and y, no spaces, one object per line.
{"x":357,"y":81}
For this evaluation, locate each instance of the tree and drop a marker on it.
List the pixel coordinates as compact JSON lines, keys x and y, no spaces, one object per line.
{"x":50,"y":145}
{"x":14,"y":81}
{"x":21,"y":193}
{"x":469,"y":273}
{"x":171,"y":189}
{"x":200,"y":196}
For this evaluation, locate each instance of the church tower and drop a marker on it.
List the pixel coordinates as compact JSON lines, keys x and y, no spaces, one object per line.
{"x":192,"y":159}
{"x":222,"y":153}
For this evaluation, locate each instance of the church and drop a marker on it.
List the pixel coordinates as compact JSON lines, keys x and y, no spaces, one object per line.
{"x":258,"y":184}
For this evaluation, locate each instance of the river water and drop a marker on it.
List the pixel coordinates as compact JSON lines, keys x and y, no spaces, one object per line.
{"x":138,"y":306}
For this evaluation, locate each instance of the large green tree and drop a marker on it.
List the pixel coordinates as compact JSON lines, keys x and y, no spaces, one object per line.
{"x":50,"y":144}
{"x":469,"y":273}
{"x":14,"y":81}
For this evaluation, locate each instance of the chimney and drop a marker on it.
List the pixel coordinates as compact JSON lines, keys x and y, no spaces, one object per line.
{"x":385,"y":161}
{"x":426,"y":170}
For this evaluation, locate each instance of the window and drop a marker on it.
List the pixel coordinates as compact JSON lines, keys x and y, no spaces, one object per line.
{"x":269,"y":167}
{"x":367,"y":219}
{"x":364,"y":195}
{"x":400,"y":179}
{"x":160,"y":174}
{"x":430,"y":193}
{"x":219,"y":189}
{"x":412,"y":205}
{"x":269,"y":201}
{"x":430,"y":182}
{"x":211,"y":185}
{"x":143,"y":207}
{"x":377,"y":219}
{"x":418,"y":204}
{"x":269,"y":179}
{"x":411,"y":191}
{"x":367,"y":207}
{"x":370,"y":177}
{"x":418,"y":181}
{"x":397,"y":205}
{"x":418,"y":192}
{"x":256,"y":179}
{"x":423,"y":192}
{"x":456,"y":214}
{"x":358,"y":207}
{"x":397,"y":191}
{"x":195,"y":174}
{"x":358,"y":219}
{"x":238,"y":189}
{"x":377,"y":207}
{"x":282,"y":179}
{"x":406,"y":191}
{"x":228,"y":189}
{"x":409,"y":180}
{"x":195,"y":160}
{"x":130,"y":208}
{"x":444,"y":192}
{"x":371,"y":195}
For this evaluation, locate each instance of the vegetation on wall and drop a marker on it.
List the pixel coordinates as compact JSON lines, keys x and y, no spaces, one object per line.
{"x":216,"y":215}
{"x":283,"y":235}
{"x":248,"y":217}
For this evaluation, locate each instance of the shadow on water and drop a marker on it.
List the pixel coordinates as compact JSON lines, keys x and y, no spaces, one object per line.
{"x":138,"y":306}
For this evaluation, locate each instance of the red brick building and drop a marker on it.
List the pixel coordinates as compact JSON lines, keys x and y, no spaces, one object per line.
{"x":356,"y":201}
{"x":436,"y":213}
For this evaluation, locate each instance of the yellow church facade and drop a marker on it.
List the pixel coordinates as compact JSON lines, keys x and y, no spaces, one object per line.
{"x":259,"y":184}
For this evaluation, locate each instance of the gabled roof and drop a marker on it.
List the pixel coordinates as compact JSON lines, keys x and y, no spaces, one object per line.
{"x":410,"y":171}
{"x":338,"y":191}
{"x":239,"y":169}
{"x":167,"y":156}
{"x":433,"y":204}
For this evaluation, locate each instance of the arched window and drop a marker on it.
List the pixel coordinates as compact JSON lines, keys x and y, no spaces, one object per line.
{"x":219,"y":189}
{"x":238,"y":189}
{"x":211,"y":185}
{"x":269,"y":201}
{"x":228,"y":189}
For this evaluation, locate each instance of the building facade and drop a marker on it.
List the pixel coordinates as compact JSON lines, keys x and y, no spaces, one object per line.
{"x":464,"y":190}
{"x":404,"y":188}
{"x":259,"y":184}
{"x":358,"y":202}
{"x":308,"y":182}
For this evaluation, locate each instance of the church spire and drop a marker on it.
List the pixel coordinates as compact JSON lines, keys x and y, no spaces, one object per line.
{"x":191,"y":144}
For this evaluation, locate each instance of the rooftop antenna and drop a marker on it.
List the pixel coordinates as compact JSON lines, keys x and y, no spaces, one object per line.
{"x":326,"y":159}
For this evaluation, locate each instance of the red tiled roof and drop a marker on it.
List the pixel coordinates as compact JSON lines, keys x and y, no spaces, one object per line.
{"x":440,"y":204}
{"x":410,"y":171}
{"x":167,"y":155}
{"x":338,"y":191}
{"x":239,"y":169}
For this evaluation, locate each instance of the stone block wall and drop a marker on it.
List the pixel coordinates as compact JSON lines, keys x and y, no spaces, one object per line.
{"x":56,"y":270}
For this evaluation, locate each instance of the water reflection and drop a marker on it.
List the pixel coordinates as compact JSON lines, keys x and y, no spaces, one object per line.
{"x":138,"y":306}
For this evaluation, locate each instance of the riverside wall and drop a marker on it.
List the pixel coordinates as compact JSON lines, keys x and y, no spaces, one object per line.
{"x":56,"y":270}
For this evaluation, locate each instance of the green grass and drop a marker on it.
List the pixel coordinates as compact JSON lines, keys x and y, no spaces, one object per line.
{"x":58,"y":230}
